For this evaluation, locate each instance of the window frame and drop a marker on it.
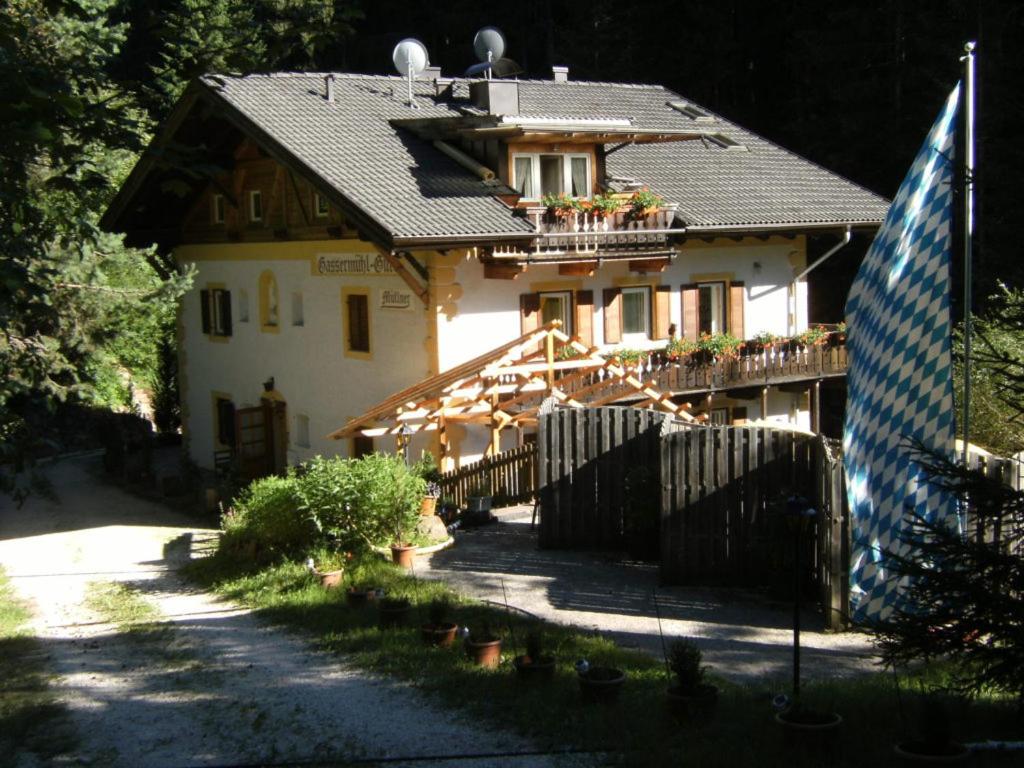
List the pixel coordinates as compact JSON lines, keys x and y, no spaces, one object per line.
{"x":217,"y":209}
{"x":321,"y":207}
{"x":219,"y":327}
{"x":298,"y":310}
{"x":220,"y":428}
{"x":566,"y":297}
{"x":567,"y":158}
{"x":633,"y":337}
{"x":723,"y":316}
{"x":346,"y":323}
{"x":255,"y":201}
{"x":269,"y":302}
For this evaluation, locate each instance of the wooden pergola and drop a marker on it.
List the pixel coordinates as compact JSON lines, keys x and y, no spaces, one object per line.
{"x":505,"y":388}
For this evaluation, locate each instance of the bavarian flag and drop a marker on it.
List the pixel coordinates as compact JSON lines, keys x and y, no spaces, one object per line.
{"x":900,"y":388}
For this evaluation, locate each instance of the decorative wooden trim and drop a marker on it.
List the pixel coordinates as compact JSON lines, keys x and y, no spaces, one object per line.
{"x":502,"y":271}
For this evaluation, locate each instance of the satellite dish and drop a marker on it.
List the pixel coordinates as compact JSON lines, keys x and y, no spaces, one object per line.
{"x":410,"y":58}
{"x":498,"y":68}
{"x":489,"y":44}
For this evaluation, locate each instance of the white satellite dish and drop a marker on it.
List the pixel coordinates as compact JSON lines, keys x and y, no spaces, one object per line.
{"x":489,"y":45}
{"x":410,"y":58}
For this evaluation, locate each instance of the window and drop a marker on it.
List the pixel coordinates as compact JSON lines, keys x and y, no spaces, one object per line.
{"x":215,"y":305}
{"x":217,"y":209}
{"x":255,"y":205}
{"x":269,"y":312}
{"x":711,"y":307}
{"x":224,"y":419}
{"x":362,"y":446}
{"x":636,"y":312}
{"x":719,"y":417}
{"x":297,"y":315}
{"x":302,"y":430}
{"x":320,"y":205}
{"x":692,"y":111}
{"x":537,"y":175}
{"x":357,"y":322}
{"x":557,"y":306}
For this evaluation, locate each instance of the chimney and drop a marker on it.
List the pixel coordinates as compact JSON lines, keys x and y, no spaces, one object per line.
{"x":329,"y":88}
{"x":431,"y":73}
{"x":498,"y":97}
{"x":561,"y":74}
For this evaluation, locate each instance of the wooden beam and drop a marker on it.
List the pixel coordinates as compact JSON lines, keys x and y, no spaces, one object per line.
{"x":502,"y":271}
{"x":298,"y":198}
{"x":648,"y":265}
{"x":581,"y":269}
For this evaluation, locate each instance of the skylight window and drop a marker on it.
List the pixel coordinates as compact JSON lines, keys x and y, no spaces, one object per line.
{"x":721,"y":140}
{"x":691,"y":111}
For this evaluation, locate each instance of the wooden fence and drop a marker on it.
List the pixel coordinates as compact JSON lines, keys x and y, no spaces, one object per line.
{"x":511,"y":477}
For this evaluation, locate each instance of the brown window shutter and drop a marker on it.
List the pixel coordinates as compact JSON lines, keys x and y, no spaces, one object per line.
{"x":529,"y":312}
{"x":585,"y":317}
{"x":358,"y":323}
{"x":612,"y":315}
{"x":736,"y":294}
{"x":662,"y":311}
{"x":204,"y":305}
{"x":224,"y":307}
{"x":691,"y":296}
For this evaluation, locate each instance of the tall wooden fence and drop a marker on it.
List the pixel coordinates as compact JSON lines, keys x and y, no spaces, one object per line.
{"x":511,"y":477}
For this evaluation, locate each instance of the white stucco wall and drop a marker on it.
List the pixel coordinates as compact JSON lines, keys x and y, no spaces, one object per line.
{"x":308,"y":364}
{"x":488,"y":310}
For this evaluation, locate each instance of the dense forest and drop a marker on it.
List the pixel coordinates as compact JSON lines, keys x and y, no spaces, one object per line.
{"x":84,"y":83}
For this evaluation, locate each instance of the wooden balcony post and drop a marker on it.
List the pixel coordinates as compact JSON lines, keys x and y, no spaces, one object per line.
{"x":815,"y":394}
{"x":764,"y":403}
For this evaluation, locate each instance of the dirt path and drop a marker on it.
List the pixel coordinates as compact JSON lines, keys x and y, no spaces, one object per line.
{"x":209,"y":685}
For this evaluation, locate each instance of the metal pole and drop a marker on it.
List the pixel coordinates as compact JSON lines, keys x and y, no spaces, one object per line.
{"x":969,"y":61}
{"x":798,"y":524}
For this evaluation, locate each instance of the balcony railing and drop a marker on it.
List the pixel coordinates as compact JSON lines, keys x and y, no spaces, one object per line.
{"x":585,"y":235}
{"x":772,"y":366}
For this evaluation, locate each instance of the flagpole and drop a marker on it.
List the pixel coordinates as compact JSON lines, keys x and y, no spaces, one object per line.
{"x":969,"y":60}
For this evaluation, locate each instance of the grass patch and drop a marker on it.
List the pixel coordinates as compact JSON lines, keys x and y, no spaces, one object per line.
{"x":638,"y":728}
{"x":119,"y":604}
{"x":31,"y":720}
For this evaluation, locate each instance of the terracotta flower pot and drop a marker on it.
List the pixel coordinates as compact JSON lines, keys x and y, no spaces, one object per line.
{"x":439,"y":635}
{"x":331,"y":579}
{"x":403,"y":555}
{"x":692,"y":704}
{"x":484,"y":653}
{"x":814,"y":735}
{"x":601,"y":683}
{"x":428,"y":506}
{"x":541,"y":668}
{"x":358,"y":598}
{"x":917,"y":753}
{"x":393,"y":613}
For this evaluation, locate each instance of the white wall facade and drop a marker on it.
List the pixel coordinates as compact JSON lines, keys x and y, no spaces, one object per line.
{"x":311,"y":371}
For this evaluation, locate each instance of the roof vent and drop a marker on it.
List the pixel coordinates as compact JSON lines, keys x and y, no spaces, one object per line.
{"x":329,"y":87}
{"x":497,"y":97}
{"x":561,"y":74}
{"x":432,"y":72}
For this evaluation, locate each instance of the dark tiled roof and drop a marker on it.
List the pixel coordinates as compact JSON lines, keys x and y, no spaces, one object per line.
{"x":412,"y":190}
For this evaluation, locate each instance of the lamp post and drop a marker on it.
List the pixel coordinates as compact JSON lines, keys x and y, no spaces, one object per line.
{"x":800,"y":513}
{"x":404,"y":436}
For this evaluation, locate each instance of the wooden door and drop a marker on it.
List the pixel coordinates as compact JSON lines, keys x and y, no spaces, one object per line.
{"x":253,"y":441}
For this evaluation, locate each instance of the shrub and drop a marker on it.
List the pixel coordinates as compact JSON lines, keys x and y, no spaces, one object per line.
{"x":328,"y":496}
{"x":684,"y":659}
{"x":268,"y":512}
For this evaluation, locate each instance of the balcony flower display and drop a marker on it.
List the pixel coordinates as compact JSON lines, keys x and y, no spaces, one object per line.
{"x":642,"y":203}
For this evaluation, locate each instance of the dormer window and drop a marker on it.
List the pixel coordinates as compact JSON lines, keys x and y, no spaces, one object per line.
{"x":536,"y":175}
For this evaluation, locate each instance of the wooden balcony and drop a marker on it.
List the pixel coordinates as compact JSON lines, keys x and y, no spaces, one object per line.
{"x":582,"y":236}
{"x":777,"y":366}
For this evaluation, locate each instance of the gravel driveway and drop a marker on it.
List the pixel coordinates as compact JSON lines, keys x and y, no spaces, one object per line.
{"x":212,"y":686}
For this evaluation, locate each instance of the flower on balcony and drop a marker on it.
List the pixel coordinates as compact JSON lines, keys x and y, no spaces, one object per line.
{"x":561,"y":205}
{"x":815,"y":336}
{"x":643,"y":202}
{"x":603,"y":206}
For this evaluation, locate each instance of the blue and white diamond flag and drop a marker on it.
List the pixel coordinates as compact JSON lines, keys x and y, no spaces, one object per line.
{"x":900,"y":371}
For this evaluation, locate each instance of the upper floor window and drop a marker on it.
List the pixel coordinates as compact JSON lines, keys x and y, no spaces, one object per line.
{"x":217,"y":209}
{"x":557,"y":306}
{"x":268,"y":302}
{"x":536,"y":175}
{"x":215,"y":304}
{"x":711,"y":307}
{"x":636,"y":313}
{"x":255,"y":205}
{"x":356,"y":322}
{"x":320,"y":205}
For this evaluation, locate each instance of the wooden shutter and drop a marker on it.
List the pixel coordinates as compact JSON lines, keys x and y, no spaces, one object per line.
{"x":204,"y":305}
{"x":736,"y":295}
{"x":358,"y":323}
{"x":529,"y":312}
{"x":662,"y":311}
{"x":584,"y":318}
{"x":691,"y":315}
{"x":612,"y":315}
{"x":224,"y":307}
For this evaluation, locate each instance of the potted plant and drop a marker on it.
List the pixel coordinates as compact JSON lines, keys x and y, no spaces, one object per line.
{"x":483,"y":647}
{"x":692,"y":695}
{"x":393,"y":612}
{"x":534,"y":664}
{"x":604,"y":206}
{"x":439,"y":629}
{"x":359,"y":596}
{"x":763,"y":342}
{"x":560,"y":206}
{"x":809,"y":730}
{"x":426,"y":469}
{"x":599,"y":683}
{"x":933,"y":743}
{"x":428,"y":506}
{"x":478,"y":503}
{"x":643,"y":203}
